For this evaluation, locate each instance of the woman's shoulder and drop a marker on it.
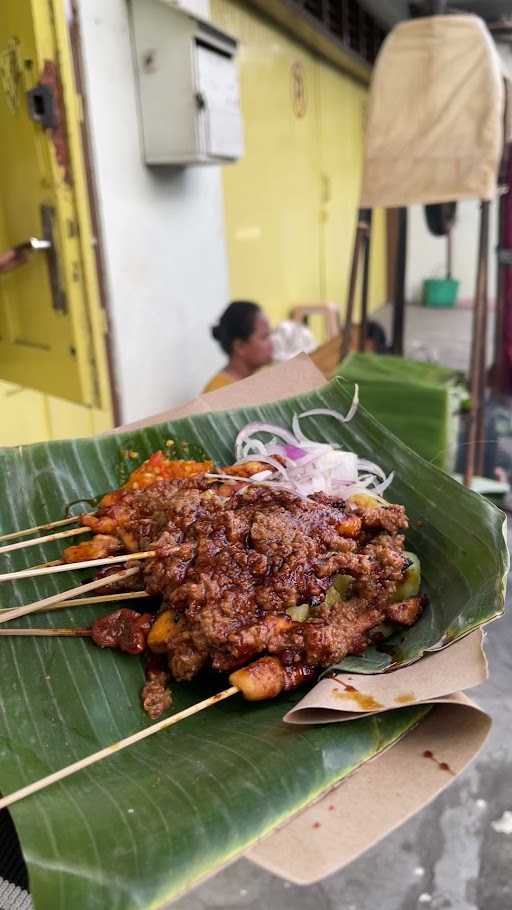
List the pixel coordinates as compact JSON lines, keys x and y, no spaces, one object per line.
{"x":218,"y":381}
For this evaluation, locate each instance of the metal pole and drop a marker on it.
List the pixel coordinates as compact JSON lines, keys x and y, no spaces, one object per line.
{"x":366,"y":280}
{"x":477,"y":340}
{"x":482,"y":374}
{"x":397,"y":344}
{"x":498,"y":373}
{"x":449,"y":254}
{"x":349,"y":317}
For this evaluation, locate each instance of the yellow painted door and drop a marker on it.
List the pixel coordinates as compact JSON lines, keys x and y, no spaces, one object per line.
{"x":52,"y":327}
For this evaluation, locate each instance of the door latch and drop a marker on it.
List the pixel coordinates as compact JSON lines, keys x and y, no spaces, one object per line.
{"x":41,"y":106}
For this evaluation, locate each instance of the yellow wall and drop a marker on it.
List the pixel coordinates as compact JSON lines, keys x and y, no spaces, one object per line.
{"x":27,"y":416}
{"x":291,"y":200}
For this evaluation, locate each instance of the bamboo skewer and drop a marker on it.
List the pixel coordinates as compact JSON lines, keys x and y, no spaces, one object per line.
{"x":115,"y":747}
{"x":82,"y":602}
{"x":46,"y":539}
{"x":48,"y":633}
{"x":46,"y":527}
{"x":72,"y":566}
{"x":103,"y":599}
{"x":44,"y":565}
{"x":64,"y":595}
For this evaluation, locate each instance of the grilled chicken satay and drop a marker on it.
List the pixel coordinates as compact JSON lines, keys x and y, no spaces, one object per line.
{"x":263,"y":679}
{"x":132,"y":513}
{"x":114,"y":508}
{"x":269,"y":677}
{"x":253,"y":574}
{"x":233,"y":570}
{"x":129,"y":630}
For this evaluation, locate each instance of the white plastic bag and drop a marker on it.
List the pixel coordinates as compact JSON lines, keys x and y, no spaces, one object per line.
{"x":290,"y":338}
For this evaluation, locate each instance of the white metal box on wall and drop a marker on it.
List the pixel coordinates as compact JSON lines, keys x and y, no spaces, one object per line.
{"x":189,"y":104}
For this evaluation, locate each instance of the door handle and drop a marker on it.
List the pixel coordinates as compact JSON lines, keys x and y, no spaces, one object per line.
{"x":36,"y":243}
{"x":17,"y":255}
{"x":48,"y":244}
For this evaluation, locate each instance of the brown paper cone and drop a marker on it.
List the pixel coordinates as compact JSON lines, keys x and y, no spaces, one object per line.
{"x":461,"y":666}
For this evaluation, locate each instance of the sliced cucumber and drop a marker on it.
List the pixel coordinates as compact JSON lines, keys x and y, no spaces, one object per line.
{"x":411,"y":579}
{"x":299,"y":613}
{"x":339,"y":590}
{"x":332,"y":597}
{"x":342,"y":584}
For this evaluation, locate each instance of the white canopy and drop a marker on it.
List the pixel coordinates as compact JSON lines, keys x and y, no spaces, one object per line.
{"x":436,"y":114}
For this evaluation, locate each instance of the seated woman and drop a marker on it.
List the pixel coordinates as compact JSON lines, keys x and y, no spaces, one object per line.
{"x":243,"y":333}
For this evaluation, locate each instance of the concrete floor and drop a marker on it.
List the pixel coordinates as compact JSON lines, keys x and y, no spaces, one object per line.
{"x":457,"y":853}
{"x":440,"y":335}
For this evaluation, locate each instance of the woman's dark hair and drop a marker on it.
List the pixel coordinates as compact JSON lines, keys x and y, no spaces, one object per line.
{"x":237,"y":321}
{"x":375,"y":333}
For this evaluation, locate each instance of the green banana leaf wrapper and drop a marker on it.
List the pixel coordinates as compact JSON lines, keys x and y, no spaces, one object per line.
{"x":143,"y":826}
{"x":418,"y":402}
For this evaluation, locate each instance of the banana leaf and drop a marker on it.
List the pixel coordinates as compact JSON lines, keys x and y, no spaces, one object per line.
{"x":418,"y":402}
{"x":143,"y":826}
{"x":390,"y":366}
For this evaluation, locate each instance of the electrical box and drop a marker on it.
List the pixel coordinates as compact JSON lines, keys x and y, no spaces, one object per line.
{"x":189,"y":102}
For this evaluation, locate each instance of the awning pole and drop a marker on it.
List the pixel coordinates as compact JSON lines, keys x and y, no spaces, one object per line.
{"x":361,"y":231}
{"x":397,"y":344}
{"x":478,"y":350}
{"x":366,"y":280}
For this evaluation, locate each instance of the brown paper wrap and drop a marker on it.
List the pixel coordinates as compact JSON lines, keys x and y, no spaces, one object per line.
{"x":436,"y":676}
{"x":337,"y":829}
{"x":295,"y":377}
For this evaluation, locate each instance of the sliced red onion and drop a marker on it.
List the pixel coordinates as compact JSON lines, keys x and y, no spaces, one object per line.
{"x":294,"y":452}
{"x":257,"y":447}
{"x":302,"y":439}
{"x":261,"y":475}
{"x":380,"y":487}
{"x":314,"y":454}
{"x":370,"y":466}
{"x":342,"y":464}
{"x":303,"y":466}
{"x":248,"y":481}
{"x":265,"y":459}
{"x":284,"y":451}
{"x":260,"y":427}
{"x":325,"y":412}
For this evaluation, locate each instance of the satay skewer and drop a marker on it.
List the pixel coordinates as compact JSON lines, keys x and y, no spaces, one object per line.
{"x":152,"y":465}
{"x":73,"y":566}
{"x":69,"y":632}
{"x":83,"y":601}
{"x":47,"y":538}
{"x":115,"y":747}
{"x":46,"y":602}
{"x":265,"y":678}
{"x":45,"y":527}
{"x":104,"y":598}
{"x":52,"y":562}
